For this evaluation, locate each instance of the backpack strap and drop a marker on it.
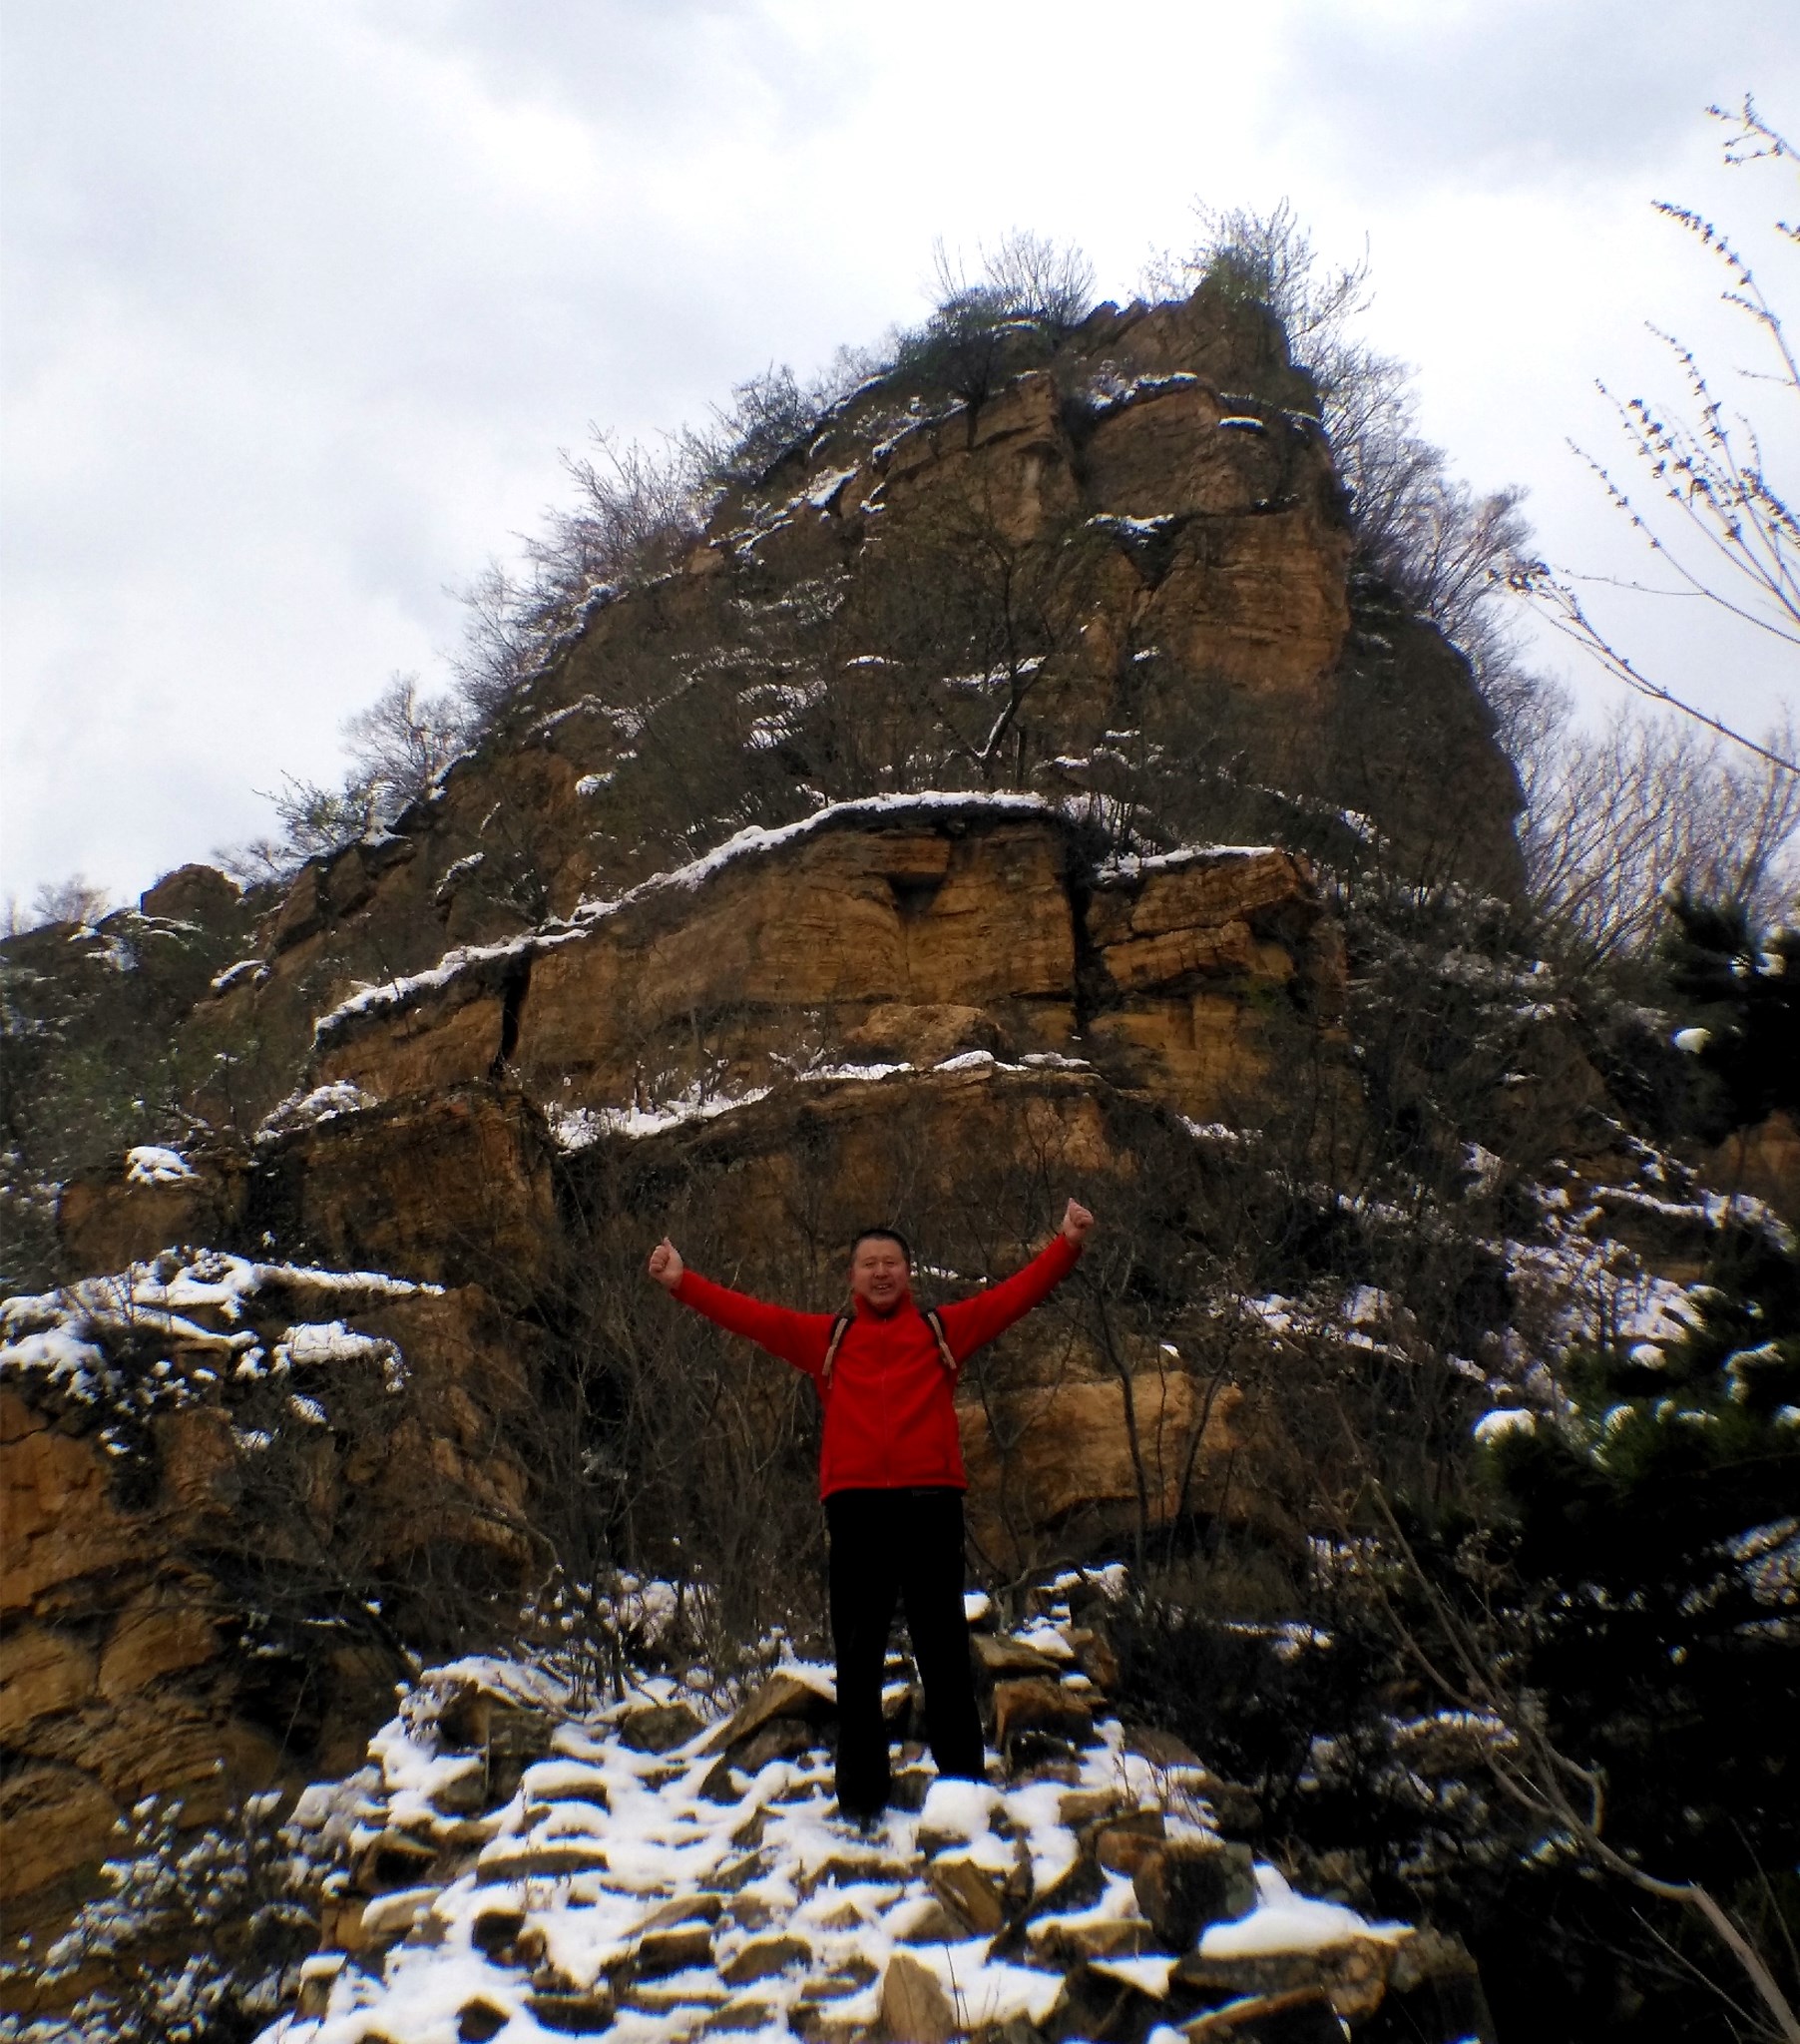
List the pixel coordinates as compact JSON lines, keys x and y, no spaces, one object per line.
{"x":839,"y":1329}
{"x":935,"y":1322}
{"x":842,"y":1326}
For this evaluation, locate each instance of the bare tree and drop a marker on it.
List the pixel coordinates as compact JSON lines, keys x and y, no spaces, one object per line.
{"x":1617,"y":818}
{"x":398,"y":746}
{"x":76,"y":899}
{"x":1722,"y":529}
{"x":1473,"y":1667}
{"x":635,"y":511}
{"x":1441,"y":546}
{"x":402,"y":742}
{"x":1037,"y":278}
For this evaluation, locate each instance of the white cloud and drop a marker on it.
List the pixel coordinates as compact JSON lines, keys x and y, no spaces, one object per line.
{"x":303,"y":298}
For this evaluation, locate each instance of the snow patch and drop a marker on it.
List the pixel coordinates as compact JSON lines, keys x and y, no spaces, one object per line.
{"x":147,"y":1164}
{"x":1496,"y":1427}
{"x":1285,"y":1922}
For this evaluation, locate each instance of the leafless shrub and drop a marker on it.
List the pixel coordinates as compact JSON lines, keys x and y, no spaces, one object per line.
{"x":635,"y":511}
{"x":1722,"y":527}
{"x":1026,"y":294}
{"x":1038,"y":279}
{"x":767,"y":416}
{"x":402,"y":742}
{"x":76,"y":900}
{"x":398,"y":745}
{"x":773,"y":414}
{"x":1440,"y":545}
{"x":1617,"y":816}
{"x":1026,"y":276}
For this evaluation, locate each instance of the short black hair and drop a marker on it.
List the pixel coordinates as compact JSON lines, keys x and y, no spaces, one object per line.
{"x":892,"y":1235}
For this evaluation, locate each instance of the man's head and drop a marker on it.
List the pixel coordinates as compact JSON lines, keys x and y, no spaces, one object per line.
{"x":882,"y":1268}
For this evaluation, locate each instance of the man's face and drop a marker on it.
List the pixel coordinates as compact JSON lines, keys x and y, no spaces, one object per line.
{"x":878,"y":1273}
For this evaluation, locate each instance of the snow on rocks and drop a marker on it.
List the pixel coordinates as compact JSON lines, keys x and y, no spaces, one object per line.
{"x":1496,"y":1427}
{"x":147,"y":1164}
{"x":191,"y":1326}
{"x":579,"y":1128}
{"x":755,"y":841}
{"x":303,"y":1110}
{"x":514,"y":1862}
{"x":1285,"y":1922}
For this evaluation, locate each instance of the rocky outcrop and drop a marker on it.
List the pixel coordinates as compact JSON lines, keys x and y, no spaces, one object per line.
{"x":198,"y":895}
{"x":454,"y":1187}
{"x":877,"y":933}
{"x":496,"y":1047}
{"x":1764,"y":1162}
{"x":229,"y":1491}
{"x":518,"y":1857}
{"x":949,"y":979}
{"x":1082,"y":1462}
{"x":1160,"y":506}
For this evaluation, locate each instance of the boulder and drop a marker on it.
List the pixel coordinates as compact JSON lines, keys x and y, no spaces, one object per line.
{"x":969,"y":1893}
{"x":1185,"y":1883}
{"x":914,"y":2008}
{"x":470,"y":1717}
{"x":996,"y":1655}
{"x":583,"y":2013}
{"x":659,"y":1727}
{"x":1084,"y":1807}
{"x":194,"y":894}
{"x":1160,"y":1749}
{"x":1435,"y":1991}
{"x":494,"y":1928}
{"x":763,"y":1957}
{"x":781,"y":1739}
{"x":1123,"y":1844}
{"x":1350,"y":1976}
{"x":674,"y":1950}
{"x":787,"y":1694}
{"x":388,"y":1918}
{"x":1035,"y":1703}
{"x":933,"y":1926}
{"x":1301,"y":2016}
{"x":480,"y":2020}
{"x":512,"y":1859}
{"x":1094,"y":1657}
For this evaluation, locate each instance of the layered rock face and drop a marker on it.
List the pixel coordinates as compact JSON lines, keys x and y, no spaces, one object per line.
{"x":207,"y":1466}
{"x":569,"y":1000}
{"x":948,"y":979}
{"x":876,"y":933}
{"x":1128,"y":563}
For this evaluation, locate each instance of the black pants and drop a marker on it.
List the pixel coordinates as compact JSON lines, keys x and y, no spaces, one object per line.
{"x":905,"y":1545}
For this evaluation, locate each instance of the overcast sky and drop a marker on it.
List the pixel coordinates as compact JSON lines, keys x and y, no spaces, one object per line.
{"x":301,"y":300}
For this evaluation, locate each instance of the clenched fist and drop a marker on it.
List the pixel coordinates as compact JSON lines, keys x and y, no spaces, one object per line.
{"x":666,"y":1264}
{"x":1076,"y":1222}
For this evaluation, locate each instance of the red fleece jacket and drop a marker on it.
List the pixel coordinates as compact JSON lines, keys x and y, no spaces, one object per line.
{"x":890,"y":1412}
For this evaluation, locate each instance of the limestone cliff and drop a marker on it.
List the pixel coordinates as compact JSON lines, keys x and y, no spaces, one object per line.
{"x":1120,"y":582}
{"x":882,"y":859}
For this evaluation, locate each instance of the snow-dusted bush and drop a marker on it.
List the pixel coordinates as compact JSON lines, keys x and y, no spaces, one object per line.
{"x":197,"y":1938}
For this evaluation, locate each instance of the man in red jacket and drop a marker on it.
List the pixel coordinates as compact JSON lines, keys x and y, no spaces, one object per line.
{"x":891,"y":1475}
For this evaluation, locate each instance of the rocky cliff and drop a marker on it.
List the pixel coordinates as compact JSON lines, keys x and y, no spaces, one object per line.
{"x":881,"y":856}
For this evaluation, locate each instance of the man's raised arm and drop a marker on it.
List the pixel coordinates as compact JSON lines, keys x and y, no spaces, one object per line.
{"x":971,"y":1322}
{"x":799,"y":1338}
